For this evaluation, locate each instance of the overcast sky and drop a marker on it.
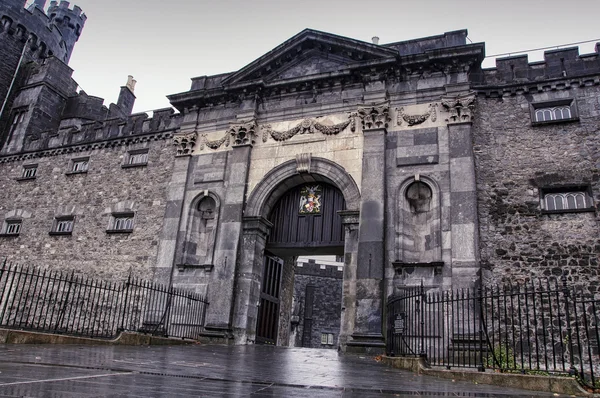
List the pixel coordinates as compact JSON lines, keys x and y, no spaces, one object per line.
{"x":165,"y":43}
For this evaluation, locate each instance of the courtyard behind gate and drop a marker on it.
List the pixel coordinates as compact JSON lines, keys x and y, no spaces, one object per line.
{"x":65,"y":303}
{"x":542,"y":327}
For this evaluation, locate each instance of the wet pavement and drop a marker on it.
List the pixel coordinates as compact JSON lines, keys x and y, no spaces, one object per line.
{"x":215,"y":371}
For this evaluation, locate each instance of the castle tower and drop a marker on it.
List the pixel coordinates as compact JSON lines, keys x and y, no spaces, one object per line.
{"x":28,"y":36}
{"x":69,"y":21}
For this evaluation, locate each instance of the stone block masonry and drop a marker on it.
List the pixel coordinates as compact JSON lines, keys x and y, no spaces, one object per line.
{"x":515,"y":161}
{"x":92,"y":198}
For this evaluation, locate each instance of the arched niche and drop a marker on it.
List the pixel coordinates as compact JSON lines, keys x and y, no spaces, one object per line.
{"x":418,"y":227}
{"x":201,"y":231}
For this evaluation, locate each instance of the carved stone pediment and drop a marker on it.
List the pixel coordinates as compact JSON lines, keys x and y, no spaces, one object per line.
{"x":310,"y":52}
{"x":375,"y":117}
{"x":185,"y":143}
{"x":460,"y":107}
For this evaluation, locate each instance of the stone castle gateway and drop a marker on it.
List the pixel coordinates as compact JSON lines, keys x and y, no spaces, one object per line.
{"x":408,"y":160}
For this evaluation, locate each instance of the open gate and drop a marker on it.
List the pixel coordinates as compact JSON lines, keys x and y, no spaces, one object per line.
{"x":268,"y":311}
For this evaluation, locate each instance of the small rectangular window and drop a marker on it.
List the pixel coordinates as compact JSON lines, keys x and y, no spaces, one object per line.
{"x":11,"y":227}
{"x":136,"y":158}
{"x":121,"y":223}
{"x":63,"y":226}
{"x":78,"y":165}
{"x":29,"y":172}
{"x":566,"y":199}
{"x":562,"y":110}
{"x":327,"y":338}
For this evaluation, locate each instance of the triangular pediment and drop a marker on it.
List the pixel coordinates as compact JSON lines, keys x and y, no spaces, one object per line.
{"x":308,"y":53}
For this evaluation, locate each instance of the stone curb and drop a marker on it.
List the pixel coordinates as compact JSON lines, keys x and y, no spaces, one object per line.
{"x":552,"y":384}
{"x":9,"y":336}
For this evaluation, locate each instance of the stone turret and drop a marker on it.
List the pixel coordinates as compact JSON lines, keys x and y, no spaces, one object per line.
{"x":69,"y":21}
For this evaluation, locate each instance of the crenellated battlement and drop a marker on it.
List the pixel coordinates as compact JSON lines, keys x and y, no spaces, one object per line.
{"x":560,"y":63}
{"x":77,"y":132}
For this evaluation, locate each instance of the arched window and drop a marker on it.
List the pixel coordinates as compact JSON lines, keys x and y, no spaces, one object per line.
{"x":566,"y":201}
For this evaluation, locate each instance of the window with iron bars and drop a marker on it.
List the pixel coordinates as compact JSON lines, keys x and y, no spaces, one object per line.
{"x":63,"y":226}
{"x":121,"y":223}
{"x":79,"y":166}
{"x":567,"y":199}
{"x":136,"y":158}
{"x":560,"y":110}
{"x":11,"y":227}
{"x":29,"y":172}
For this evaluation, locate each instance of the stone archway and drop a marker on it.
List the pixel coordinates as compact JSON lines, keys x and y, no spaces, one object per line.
{"x":256,"y":227}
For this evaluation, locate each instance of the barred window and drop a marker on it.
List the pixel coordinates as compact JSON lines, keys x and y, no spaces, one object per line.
{"x":121,"y":223}
{"x":557,"y":113}
{"x":567,"y":199}
{"x":136,"y":158}
{"x":29,"y":172}
{"x":79,"y":166}
{"x":63,"y":226}
{"x":11,"y":227}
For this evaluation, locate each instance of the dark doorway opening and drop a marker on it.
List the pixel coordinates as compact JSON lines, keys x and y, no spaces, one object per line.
{"x":299,"y":298}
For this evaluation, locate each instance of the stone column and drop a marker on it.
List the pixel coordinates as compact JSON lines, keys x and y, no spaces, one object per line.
{"x":350,"y":220}
{"x":248,"y":278}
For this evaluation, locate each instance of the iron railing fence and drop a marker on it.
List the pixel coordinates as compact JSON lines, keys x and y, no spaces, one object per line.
{"x":541,"y":327}
{"x":61,"y":302}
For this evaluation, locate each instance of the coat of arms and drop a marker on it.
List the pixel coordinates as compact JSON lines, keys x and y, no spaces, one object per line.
{"x":310,"y":199}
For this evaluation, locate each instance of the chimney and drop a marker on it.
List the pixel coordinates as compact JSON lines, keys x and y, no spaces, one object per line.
{"x":126,"y":97}
{"x":131,"y":83}
{"x":375,"y":40}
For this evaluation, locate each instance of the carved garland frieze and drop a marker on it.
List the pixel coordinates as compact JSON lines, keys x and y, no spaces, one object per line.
{"x":374,"y":117}
{"x":214,"y":144}
{"x":413,"y":120}
{"x":307,"y":126}
{"x":460,"y":108}
{"x":185,"y":143}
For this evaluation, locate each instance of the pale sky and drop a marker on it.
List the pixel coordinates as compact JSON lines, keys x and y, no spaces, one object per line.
{"x":165,"y":43}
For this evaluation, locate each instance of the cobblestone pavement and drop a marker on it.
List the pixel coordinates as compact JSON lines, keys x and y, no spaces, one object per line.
{"x":215,"y":371}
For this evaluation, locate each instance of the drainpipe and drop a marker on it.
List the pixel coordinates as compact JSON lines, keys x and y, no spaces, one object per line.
{"x":14,"y":78}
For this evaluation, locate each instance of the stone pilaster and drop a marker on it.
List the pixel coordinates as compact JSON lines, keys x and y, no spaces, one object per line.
{"x":248,"y":278}
{"x":221,"y":289}
{"x":463,"y":209}
{"x":175,"y":196}
{"x":350,"y":220}
{"x":367,"y":335}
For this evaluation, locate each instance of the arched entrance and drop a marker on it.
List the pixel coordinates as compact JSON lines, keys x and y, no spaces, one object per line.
{"x":257,"y":227}
{"x":301,"y":301}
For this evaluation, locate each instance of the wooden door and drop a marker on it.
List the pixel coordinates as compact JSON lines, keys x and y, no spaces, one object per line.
{"x":267,"y":326}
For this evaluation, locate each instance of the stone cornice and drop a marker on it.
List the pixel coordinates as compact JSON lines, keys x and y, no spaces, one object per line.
{"x":74,"y":148}
{"x":530,"y":87}
{"x":446,"y":60}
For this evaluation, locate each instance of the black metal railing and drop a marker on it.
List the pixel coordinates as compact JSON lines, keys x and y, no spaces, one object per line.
{"x":540,"y":327}
{"x":59,"y":302}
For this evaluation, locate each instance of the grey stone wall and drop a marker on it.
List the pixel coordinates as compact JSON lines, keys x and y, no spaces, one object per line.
{"x":327,"y":302}
{"x":514,"y":159}
{"x":90,"y":197}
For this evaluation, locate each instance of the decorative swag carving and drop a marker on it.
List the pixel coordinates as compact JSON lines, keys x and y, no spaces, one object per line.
{"x":307,"y":126}
{"x":417,"y":119}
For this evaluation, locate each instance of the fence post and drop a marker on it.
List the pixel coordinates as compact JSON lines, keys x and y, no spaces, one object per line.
{"x":127,"y":284}
{"x":423,"y":353}
{"x":480,"y":366}
{"x":567,"y":296}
